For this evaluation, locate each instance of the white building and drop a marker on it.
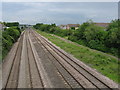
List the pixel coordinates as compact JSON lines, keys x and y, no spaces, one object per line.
{"x":1,"y":26}
{"x":69,"y":26}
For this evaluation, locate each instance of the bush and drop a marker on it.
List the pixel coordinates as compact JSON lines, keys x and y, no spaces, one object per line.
{"x":11,"y":24}
{"x":96,"y":44}
{"x":9,"y":36}
{"x":90,"y":35}
{"x":72,"y":38}
{"x":14,"y":33}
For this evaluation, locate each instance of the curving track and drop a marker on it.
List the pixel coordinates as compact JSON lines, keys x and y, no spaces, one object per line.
{"x":34,"y":62}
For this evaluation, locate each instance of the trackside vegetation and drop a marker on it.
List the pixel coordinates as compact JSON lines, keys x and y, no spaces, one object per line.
{"x":88,"y":34}
{"x":11,"y":24}
{"x":107,"y":65}
{"x":9,"y":37}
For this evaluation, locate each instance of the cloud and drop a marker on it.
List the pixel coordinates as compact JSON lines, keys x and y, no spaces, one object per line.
{"x":60,"y":0}
{"x":26,"y":12}
{"x":59,"y":12}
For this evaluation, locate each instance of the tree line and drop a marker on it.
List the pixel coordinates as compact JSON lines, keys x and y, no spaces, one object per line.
{"x":9,"y":37}
{"x":88,"y":34}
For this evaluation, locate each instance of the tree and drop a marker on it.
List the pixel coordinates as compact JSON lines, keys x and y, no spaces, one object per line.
{"x":80,"y":32}
{"x":9,"y":36}
{"x":94,"y":32}
{"x":114,"y":24}
{"x":73,"y":28}
{"x":11,"y":24}
{"x":13,"y":32}
{"x":113,"y":36}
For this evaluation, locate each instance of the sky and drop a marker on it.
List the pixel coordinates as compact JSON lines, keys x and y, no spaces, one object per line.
{"x":58,"y":12}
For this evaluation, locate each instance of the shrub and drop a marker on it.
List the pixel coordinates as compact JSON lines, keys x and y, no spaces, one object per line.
{"x":90,"y":35}
{"x":13,"y":33}
{"x":9,"y":36}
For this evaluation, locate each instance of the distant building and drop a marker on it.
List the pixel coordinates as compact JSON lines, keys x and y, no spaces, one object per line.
{"x":1,"y":26}
{"x":76,"y":26}
{"x":69,"y":26}
{"x":22,"y":26}
{"x":63,"y":26}
{"x":102,"y":24}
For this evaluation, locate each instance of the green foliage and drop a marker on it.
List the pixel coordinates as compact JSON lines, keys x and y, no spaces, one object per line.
{"x":9,"y":36}
{"x":73,"y":28}
{"x":53,"y":29}
{"x":90,"y":35}
{"x":105,"y":64}
{"x":96,"y":44}
{"x":72,"y":38}
{"x":80,"y":32}
{"x":37,"y":26}
{"x":113,"y":36}
{"x":13,"y":33}
{"x":93,"y":33}
{"x":114,"y":24}
{"x":11,"y":24}
{"x":97,"y":38}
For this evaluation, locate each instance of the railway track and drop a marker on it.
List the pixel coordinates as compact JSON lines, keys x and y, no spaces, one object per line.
{"x":34,"y":62}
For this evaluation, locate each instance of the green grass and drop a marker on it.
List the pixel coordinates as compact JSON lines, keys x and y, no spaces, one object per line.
{"x":104,"y":64}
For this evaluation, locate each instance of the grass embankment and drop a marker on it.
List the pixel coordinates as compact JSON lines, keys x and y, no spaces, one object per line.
{"x":104,"y":64}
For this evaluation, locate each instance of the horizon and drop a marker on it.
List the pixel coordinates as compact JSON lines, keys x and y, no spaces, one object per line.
{"x":52,"y":23}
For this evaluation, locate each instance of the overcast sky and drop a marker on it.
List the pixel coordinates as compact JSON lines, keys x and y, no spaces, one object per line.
{"x":59,"y":12}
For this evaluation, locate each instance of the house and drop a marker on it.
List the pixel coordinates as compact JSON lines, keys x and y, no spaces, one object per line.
{"x":69,"y":26}
{"x":62,"y":26}
{"x":1,"y":26}
{"x":102,"y":24}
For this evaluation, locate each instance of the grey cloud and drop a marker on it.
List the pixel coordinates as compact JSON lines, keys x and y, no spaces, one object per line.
{"x":60,"y":13}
